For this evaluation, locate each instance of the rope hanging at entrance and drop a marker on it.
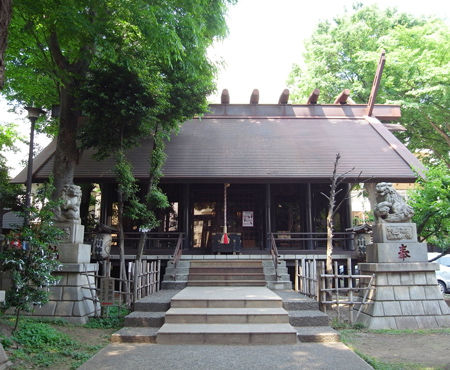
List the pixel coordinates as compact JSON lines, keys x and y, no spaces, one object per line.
{"x":224,"y":239}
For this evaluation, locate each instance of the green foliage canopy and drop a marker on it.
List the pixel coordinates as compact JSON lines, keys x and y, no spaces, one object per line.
{"x":343,"y":53}
{"x":55,"y":46}
{"x":431,"y":203}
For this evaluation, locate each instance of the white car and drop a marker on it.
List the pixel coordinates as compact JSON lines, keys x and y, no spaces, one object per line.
{"x":443,"y":274}
{"x":443,"y":278}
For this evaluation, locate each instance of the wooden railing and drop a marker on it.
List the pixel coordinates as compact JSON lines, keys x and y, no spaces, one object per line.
{"x":299,"y":240}
{"x":337,"y":288}
{"x":142,"y":278}
{"x":274,"y":254}
{"x":178,"y":251}
{"x":155,"y":240}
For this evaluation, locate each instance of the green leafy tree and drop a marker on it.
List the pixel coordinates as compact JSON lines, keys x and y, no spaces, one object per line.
{"x":431,"y":203}
{"x":10,"y":194}
{"x":30,"y":256}
{"x":54,"y":46}
{"x":343,"y":53}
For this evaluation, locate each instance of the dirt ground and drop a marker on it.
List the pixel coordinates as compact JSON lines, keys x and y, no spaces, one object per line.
{"x":405,"y":349}
{"x":410,"y":350}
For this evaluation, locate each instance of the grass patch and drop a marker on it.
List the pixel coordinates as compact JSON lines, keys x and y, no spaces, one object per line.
{"x":113,"y":319}
{"x":37,"y":343}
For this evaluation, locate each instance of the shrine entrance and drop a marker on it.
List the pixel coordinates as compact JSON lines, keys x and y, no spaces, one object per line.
{"x":245,"y":215}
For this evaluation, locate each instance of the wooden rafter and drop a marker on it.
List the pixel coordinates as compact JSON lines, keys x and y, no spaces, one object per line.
{"x":313,"y":97}
{"x":376,"y":83}
{"x":284,"y":97}
{"x":342,"y":97}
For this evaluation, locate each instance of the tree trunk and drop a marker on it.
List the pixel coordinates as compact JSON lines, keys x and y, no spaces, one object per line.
{"x":66,"y":154}
{"x":120,"y":207}
{"x":5,"y":18}
{"x":143,"y":234}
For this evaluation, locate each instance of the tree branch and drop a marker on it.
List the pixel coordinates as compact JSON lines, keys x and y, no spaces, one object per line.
{"x":57,"y":55}
{"x":438,"y":130}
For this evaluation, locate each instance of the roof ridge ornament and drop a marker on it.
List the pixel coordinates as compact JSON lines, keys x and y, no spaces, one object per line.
{"x":225,"y":97}
{"x":254,"y":98}
{"x":284,"y":97}
{"x":313,"y":97}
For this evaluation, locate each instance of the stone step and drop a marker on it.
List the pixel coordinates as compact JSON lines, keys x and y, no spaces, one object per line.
{"x":227,"y":334}
{"x":226,"y":276}
{"x":279,"y":284}
{"x":227,"y":315}
{"x":220,"y":270}
{"x":135,"y":335}
{"x":322,"y":334}
{"x":157,"y":302}
{"x":226,"y":297}
{"x":226,"y":283}
{"x":145,"y":319}
{"x":308,"y":318}
{"x":173,"y":270}
{"x":294,"y":301}
{"x":176,"y":277}
{"x":226,"y":263}
{"x":174,"y":285}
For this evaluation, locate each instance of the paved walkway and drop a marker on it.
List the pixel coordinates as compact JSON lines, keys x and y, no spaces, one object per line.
{"x":199,"y":357}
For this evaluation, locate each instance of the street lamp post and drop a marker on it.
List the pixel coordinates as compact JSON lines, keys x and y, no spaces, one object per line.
{"x":33,"y":114}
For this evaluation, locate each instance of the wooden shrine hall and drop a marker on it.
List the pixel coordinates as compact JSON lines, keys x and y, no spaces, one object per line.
{"x":277,"y":160}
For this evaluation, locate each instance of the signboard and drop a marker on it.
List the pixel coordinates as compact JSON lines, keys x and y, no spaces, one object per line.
{"x":247,"y":218}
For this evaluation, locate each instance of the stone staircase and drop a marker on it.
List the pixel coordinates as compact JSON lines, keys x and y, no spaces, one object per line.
{"x":226,"y":273}
{"x":226,"y":315}
{"x":152,"y":312}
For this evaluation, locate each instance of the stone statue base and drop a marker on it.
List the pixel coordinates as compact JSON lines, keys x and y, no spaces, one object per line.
{"x":405,"y":296}
{"x":71,"y":299}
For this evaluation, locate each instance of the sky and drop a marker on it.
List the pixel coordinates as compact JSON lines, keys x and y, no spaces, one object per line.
{"x":265,"y":39}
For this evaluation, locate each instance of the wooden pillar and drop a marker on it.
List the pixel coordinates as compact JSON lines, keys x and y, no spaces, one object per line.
{"x":186,"y":216}
{"x":105,"y":203}
{"x":267,"y":218}
{"x":309,"y":222}
{"x":350,"y":243}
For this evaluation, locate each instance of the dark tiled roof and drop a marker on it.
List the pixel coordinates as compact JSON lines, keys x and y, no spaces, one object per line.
{"x":276,"y":149}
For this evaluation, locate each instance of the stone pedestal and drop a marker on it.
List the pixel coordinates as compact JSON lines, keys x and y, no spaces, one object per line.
{"x":406,"y":294}
{"x":71,"y":299}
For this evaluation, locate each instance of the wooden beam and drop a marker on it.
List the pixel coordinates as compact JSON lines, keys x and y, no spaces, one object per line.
{"x":383,"y":112}
{"x":376,"y":83}
{"x":225,"y":98}
{"x":342,"y":97}
{"x":254,"y":98}
{"x":313,"y":97}
{"x":284,"y":97}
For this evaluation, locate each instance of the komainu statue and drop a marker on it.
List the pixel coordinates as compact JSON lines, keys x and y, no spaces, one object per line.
{"x":69,"y":210}
{"x":391,"y":207}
